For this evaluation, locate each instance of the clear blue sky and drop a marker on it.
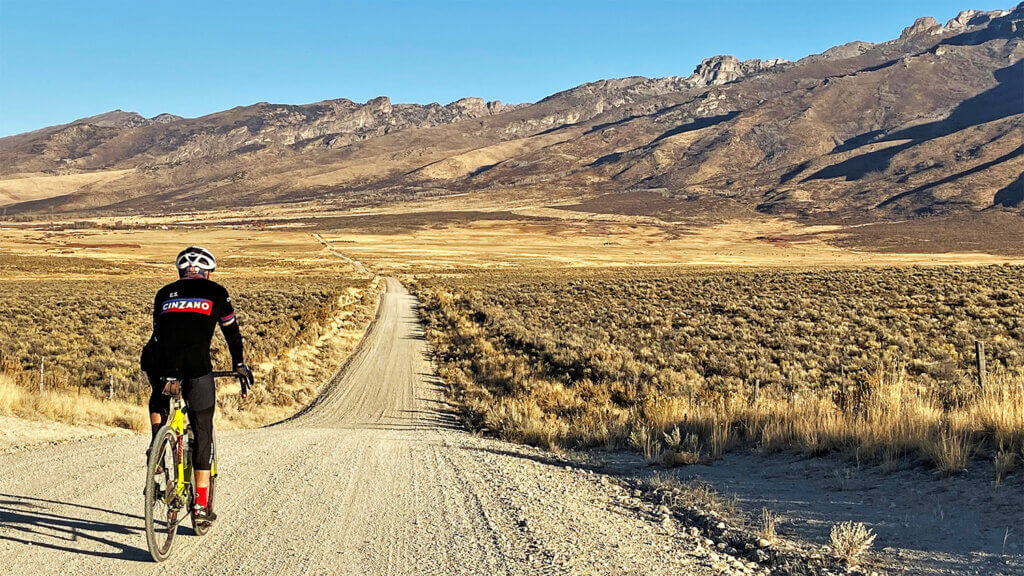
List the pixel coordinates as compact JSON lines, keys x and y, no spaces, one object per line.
{"x":64,"y":60}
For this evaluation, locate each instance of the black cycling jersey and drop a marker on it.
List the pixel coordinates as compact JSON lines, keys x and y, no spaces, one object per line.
{"x":185,"y":314}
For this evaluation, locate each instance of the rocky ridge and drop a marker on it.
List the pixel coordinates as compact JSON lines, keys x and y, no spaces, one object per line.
{"x":119,"y":139}
{"x":929,"y":123}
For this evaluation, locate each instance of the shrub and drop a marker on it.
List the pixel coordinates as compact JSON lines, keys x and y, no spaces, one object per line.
{"x":875,"y":362}
{"x":851,"y":540}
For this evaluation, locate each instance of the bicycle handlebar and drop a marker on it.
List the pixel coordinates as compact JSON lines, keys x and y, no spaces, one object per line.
{"x":233,"y":374}
{"x":216,"y":374}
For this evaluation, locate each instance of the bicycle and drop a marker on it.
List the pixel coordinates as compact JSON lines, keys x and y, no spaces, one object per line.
{"x":170,"y":478}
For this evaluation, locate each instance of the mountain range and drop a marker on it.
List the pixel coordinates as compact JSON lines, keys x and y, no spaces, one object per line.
{"x":927,"y":124}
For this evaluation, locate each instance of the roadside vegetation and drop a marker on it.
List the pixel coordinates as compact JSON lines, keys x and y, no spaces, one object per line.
{"x":685,"y":365}
{"x":69,"y":348}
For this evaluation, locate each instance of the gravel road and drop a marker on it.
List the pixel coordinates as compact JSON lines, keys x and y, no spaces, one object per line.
{"x":373,"y":478}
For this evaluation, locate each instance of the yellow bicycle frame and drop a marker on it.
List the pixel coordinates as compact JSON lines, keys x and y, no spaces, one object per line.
{"x":178,"y":425}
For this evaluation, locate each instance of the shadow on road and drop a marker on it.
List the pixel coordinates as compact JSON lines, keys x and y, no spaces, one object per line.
{"x":546,"y":458}
{"x":34,"y":522}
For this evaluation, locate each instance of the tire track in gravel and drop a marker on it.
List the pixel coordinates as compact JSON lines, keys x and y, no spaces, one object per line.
{"x":373,"y":478}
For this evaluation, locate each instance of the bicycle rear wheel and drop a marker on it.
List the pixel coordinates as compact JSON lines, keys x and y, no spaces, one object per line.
{"x":163,"y":505}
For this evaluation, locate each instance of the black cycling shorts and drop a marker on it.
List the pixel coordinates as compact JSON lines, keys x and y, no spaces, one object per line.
{"x":200,"y":396}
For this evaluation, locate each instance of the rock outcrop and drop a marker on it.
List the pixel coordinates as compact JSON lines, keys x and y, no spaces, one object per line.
{"x":115,"y":119}
{"x":164,"y":118}
{"x":723,"y":69}
{"x":476,"y":107}
{"x":848,"y":50}
{"x":923,"y":25}
{"x":972,"y":18}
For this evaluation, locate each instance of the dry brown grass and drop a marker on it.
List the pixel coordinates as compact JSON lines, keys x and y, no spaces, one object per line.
{"x":26,"y":187}
{"x":85,"y":319}
{"x":768,"y":524}
{"x":1004,"y":462}
{"x":680,"y":449}
{"x":851,"y":540}
{"x":83,"y":337}
{"x":290,"y":367}
{"x":554,"y":237}
{"x":68,"y":406}
{"x":654,"y":362}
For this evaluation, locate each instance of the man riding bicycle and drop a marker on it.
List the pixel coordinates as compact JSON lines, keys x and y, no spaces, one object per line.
{"x":185,"y":314}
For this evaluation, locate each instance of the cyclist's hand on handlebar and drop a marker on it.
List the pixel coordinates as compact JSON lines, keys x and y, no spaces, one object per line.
{"x":245,"y":378}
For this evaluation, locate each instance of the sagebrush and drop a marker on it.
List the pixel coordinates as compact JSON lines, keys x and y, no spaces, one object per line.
{"x":82,"y":337}
{"x":876,"y":361}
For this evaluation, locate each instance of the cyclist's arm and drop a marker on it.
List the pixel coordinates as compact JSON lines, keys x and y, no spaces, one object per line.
{"x":156,"y":309}
{"x":149,"y":358}
{"x":229,"y":327}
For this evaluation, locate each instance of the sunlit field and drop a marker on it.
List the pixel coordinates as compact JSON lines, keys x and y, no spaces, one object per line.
{"x":75,"y":307}
{"x":684,"y":365}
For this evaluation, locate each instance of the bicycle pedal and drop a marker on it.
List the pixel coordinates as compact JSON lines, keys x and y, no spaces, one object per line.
{"x":204,"y":516}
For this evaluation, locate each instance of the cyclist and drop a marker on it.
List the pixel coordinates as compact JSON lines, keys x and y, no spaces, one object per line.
{"x":185,"y":314}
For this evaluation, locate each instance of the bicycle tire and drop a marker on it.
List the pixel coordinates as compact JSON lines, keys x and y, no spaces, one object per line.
{"x":162,"y":475}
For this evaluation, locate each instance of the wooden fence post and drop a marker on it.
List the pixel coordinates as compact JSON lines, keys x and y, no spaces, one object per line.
{"x":42,"y":372}
{"x":757,"y":388}
{"x":110,"y":392}
{"x":979,"y":350}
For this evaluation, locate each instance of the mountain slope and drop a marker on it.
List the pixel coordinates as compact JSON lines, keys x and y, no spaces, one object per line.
{"x":929,"y":123}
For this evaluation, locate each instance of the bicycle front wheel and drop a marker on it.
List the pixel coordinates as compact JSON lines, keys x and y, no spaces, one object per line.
{"x":164,"y":506}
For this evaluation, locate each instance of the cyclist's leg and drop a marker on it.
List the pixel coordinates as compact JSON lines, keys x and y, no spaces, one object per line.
{"x":202,"y":426}
{"x":159,"y":405}
{"x":202,"y":402}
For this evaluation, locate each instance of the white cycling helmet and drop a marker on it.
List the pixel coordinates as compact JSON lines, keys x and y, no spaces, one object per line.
{"x":195,"y":259}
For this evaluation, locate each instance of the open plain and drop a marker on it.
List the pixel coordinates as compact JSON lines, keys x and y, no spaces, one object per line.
{"x":398,"y":490}
{"x":762,"y":319}
{"x":416,"y":422}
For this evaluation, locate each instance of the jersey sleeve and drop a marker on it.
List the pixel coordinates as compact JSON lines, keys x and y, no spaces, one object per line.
{"x":229,"y":327}
{"x":149,"y":359}
{"x":157,"y":300}
{"x":226,"y":310}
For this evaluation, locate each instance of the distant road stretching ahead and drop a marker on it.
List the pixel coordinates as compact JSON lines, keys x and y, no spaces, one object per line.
{"x":373,"y":478}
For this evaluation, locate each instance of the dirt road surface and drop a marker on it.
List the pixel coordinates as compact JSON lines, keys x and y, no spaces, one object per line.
{"x":373,"y":478}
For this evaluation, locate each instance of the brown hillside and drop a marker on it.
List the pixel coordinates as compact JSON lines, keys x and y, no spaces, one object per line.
{"x":931,"y":123}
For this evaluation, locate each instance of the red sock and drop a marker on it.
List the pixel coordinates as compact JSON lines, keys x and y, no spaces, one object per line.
{"x":201,"y":495}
